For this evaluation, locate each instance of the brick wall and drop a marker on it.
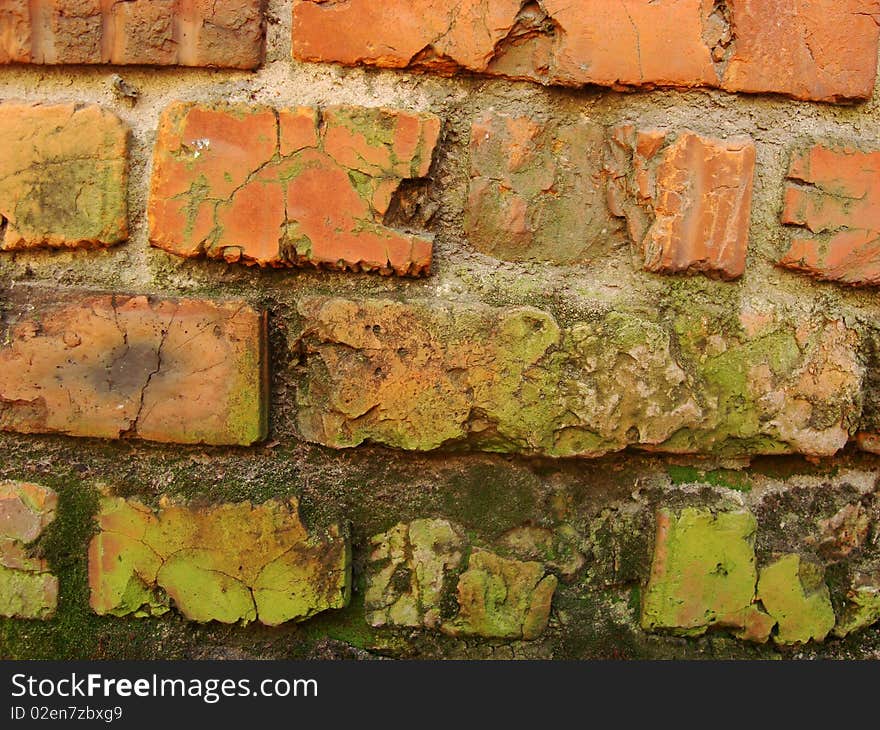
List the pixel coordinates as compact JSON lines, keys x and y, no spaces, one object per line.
{"x":484,"y":329}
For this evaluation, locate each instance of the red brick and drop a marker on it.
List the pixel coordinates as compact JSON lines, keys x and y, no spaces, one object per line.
{"x":833,"y":193}
{"x":223,"y":33}
{"x":266,"y":187}
{"x":830,"y":46}
{"x":686,"y":198}
{"x":823,"y":50}
{"x":536,"y":190}
{"x":113,"y":366}
{"x":63,"y":176}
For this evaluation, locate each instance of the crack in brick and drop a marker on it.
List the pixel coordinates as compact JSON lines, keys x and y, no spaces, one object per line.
{"x":831,"y":198}
{"x":282,"y":571}
{"x":117,"y":366}
{"x":362,"y":156}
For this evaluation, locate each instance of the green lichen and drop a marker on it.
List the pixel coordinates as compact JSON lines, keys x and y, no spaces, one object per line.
{"x":223,"y":563}
{"x":703,"y":572}
{"x":425,"y":574}
{"x":27,"y":594}
{"x":794,"y":593}
{"x":727,"y":478}
{"x":501,"y":598}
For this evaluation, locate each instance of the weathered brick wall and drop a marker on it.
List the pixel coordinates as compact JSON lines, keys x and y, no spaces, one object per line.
{"x":476,"y":329}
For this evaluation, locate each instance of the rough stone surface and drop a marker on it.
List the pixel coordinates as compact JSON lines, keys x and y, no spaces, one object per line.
{"x":410,"y":568}
{"x":27,"y":588}
{"x":833,"y":194}
{"x":557,"y":549}
{"x":536,"y":191}
{"x":114,"y":366}
{"x":419,"y":376}
{"x":843,"y":533}
{"x":686,"y":198}
{"x":868,"y":438}
{"x":425,"y":574}
{"x":501,"y":598}
{"x":794,"y":593}
{"x":289,"y":187}
{"x":822,"y":50}
{"x":224,"y":33}
{"x":63,"y":176}
{"x":229,"y":563}
{"x":862,"y":607}
{"x":704,"y":574}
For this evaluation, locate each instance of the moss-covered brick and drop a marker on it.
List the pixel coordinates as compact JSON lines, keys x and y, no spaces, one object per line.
{"x":427,"y":574}
{"x":794,"y":593}
{"x":703,"y":574}
{"x":501,"y":598}
{"x":27,"y":588}
{"x":230,"y":563}
{"x":422,"y":375}
{"x":862,"y":605}
{"x":409,"y":571}
{"x":63,"y":176}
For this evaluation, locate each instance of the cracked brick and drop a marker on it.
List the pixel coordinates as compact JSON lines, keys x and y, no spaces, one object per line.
{"x":120,"y":366}
{"x":231,"y":563}
{"x":289,"y":187}
{"x":833,"y":196}
{"x":824,"y":51}
{"x":686,"y":198}
{"x":63,"y":176}
{"x":704,"y":575}
{"x":219,"y":33}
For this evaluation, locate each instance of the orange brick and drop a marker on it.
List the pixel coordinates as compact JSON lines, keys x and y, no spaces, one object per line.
{"x":809,"y":49}
{"x":263,"y":186}
{"x":114,"y":366}
{"x":833,"y":193}
{"x":686,"y":199}
{"x":824,"y":50}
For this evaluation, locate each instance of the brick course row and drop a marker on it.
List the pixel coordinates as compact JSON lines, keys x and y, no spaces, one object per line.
{"x":823,"y":50}
{"x":224,"y":33}
{"x":238,"y":563}
{"x":310,"y":187}
{"x":424,"y":375}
